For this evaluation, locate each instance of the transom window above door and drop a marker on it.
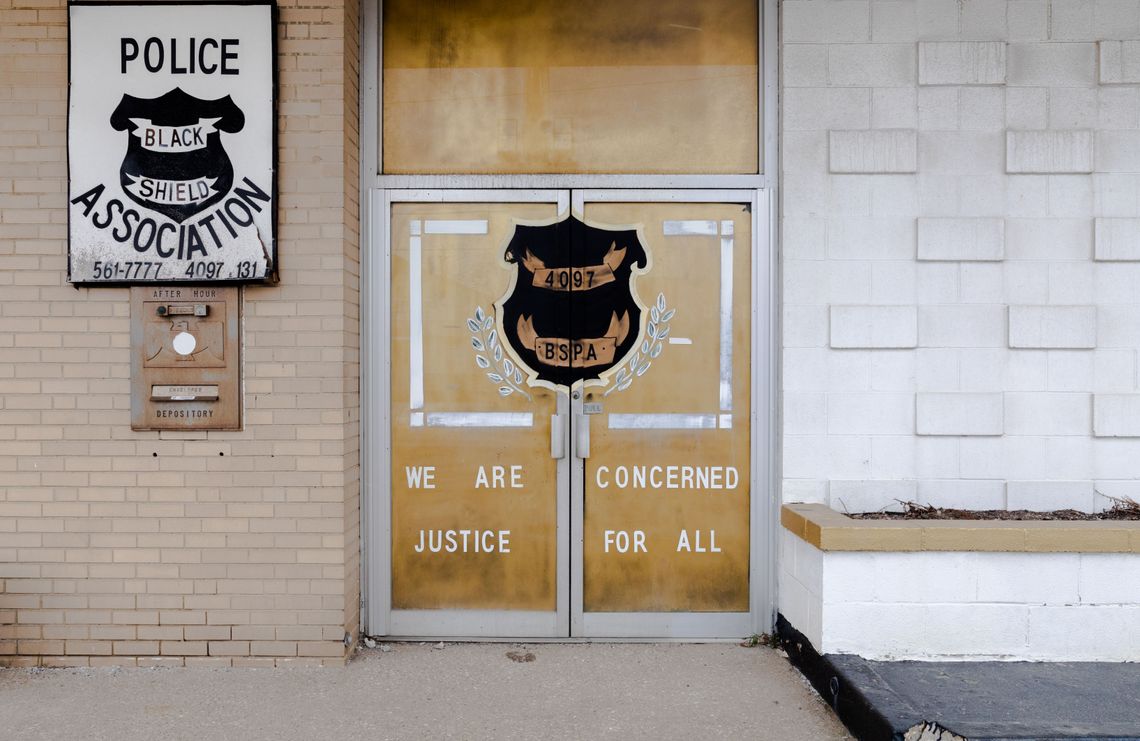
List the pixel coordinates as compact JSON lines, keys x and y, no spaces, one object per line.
{"x":556,"y":87}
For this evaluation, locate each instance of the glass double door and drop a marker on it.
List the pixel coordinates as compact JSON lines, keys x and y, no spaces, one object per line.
{"x":570,"y":408}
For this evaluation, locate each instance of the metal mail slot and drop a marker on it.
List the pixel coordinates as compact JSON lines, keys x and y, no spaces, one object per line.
{"x":183,"y":310}
{"x":185,"y":358}
{"x":184,"y":393}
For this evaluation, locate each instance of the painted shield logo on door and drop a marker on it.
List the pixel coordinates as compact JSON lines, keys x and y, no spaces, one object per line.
{"x":175,"y":162}
{"x":572,"y":311}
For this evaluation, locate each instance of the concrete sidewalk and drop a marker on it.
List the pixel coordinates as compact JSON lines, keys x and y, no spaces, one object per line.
{"x":417,"y":691}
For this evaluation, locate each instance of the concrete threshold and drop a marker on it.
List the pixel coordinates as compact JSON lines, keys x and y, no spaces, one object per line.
{"x":973,"y":700}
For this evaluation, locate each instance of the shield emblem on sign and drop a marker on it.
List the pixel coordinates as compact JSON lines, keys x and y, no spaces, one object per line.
{"x":175,"y":162}
{"x":572,"y":312}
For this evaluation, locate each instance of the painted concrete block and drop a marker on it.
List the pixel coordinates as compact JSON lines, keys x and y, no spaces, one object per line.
{"x":983,"y":21}
{"x":1051,"y":64}
{"x":981,"y":108}
{"x":1118,"y":326}
{"x":845,"y":579}
{"x":1052,"y":327}
{"x":893,"y":21}
{"x":1048,"y":151}
{"x":807,"y":565}
{"x":1118,"y":106}
{"x":846,"y":20}
{"x":805,"y":413}
{"x":1035,"y":578}
{"x":1116,"y":19}
{"x":858,"y":238}
{"x":804,"y":490}
{"x":893,"y":108}
{"x":1028,"y":20}
{"x":1116,"y":283}
{"x":1116,"y":415}
{"x":1116,"y":194}
{"x":1026,"y":107}
{"x":936,"y":19}
{"x":1082,"y":633}
{"x":1117,"y":239}
{"x":978,"y":153}
{"x":1118,"y":151}
{"x":803,"y":65}
{"x":938,"y":577}
{"x":1046,"y":496}
{"x":1109,"y":578}
{"x":961,"y":63}
{"x":1048,"y":413}
{"x":1074,"y":108}
{"x":1070,"y":370}
{"x":992,"y":629}
{"x":821,"y":108}
{"x":876,"y":413}
{"x":951,"y":606}
{"x":874,"y":151}
{"x":1072,"y":20}
{"x":1047,"y":239}
{"x":961,"y":326}
{"x":959,"y":413}
{"x":893,"y":457}
{"x":874,"y":327}
{"x":961,"y":239}
{"x":847,"y":628}
{"x":1119,"y":62}
{"x":871,"y":65}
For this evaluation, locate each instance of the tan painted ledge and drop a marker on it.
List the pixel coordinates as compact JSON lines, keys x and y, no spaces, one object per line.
{"x":829,"y":530}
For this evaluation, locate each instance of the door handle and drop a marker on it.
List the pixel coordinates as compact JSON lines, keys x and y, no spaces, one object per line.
{"x":582,"y":436}
{"x":557,"y":435}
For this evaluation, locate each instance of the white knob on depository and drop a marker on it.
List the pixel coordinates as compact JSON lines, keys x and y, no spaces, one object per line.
{"x":184,"y":343}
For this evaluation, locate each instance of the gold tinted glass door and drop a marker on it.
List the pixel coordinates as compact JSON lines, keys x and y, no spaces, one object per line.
{"x":662,"y":516}
{"x":547,"y":86}
{"x":570,"y":414}
{"x":478,"y":481}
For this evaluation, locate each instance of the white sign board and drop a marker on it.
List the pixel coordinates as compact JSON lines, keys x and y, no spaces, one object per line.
{"x":170,"y":137}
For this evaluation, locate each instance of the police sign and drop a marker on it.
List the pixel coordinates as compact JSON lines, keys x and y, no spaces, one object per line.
{"x":171,"y":143}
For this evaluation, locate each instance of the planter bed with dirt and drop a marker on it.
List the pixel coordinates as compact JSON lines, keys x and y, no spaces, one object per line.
{"x":931,"y":584}
{"x":1122,"y":509}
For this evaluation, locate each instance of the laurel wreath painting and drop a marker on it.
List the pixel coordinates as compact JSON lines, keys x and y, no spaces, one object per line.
{"x":498,"y":367}
{"x":490,"y":357}
{"x":651,"y":347}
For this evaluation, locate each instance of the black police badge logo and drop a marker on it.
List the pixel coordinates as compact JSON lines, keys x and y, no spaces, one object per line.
{"x":175,"y":162}
{"x":572,"y":313}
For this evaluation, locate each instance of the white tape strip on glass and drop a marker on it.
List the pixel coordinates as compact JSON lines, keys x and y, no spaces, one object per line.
{"x":726,"y":316}
{"x":699,"y":228}
{"x":473,"y":419}
{"x":415,"y":321}
{"x":455,"y":226}
{"x":662,"y":422}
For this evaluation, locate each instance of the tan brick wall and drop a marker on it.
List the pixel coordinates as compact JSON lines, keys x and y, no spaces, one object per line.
{"x":147,"y":548}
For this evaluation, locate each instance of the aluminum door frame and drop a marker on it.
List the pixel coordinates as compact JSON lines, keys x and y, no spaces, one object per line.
{"x":375,"y":591}
{"x":376,"y":453}
{"x":379,"y":617}
{"x":763,"y":498}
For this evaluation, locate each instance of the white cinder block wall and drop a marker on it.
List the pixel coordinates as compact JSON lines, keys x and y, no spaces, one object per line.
{"x":961,"y":252}
{"x":955,"y":606}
